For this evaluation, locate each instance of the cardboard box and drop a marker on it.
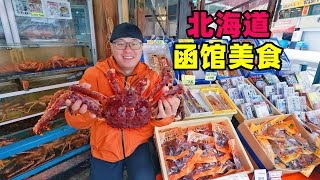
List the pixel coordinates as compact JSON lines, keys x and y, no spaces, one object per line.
{"x":230,"y":130}
{"x":258,"y":149}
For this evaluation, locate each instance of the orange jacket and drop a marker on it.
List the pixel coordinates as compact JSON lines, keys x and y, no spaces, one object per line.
{"x":107,"y":143}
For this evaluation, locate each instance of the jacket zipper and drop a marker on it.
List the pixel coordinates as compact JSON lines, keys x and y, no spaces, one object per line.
{"x":122,"y":141}
{"x":122,"y":133}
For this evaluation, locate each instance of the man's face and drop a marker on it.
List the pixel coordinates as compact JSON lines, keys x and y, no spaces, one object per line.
{"x":127,"y":52}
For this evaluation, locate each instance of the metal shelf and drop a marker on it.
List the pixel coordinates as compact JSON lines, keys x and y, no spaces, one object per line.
{"x":39,"y":45}
{"x":52,"y":163}
{"x":8,"y":77}
{"x":25,"y":117}
{"x":44,"y":88}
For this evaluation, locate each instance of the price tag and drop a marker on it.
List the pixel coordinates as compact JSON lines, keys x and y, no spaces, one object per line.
{"x":155,"y":42}
{"x":211,"y":76}
{"x":185,"y":40}
{"x":215,"y":40}
{"x":188,"y":79}
{"x":37,"y":14}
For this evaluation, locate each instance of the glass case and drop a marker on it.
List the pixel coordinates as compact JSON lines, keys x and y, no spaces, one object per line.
{"x":45,"y":46}
{"x":2,"y":38}
{"x":26,"y":58}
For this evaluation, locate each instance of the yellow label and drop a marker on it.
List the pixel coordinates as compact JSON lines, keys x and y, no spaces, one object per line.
{"x":211,"y":76}
{"x":36,"y":14}
{"x":188,"y":79}
{"x":155,"y":42}
{"x":185,"y":40}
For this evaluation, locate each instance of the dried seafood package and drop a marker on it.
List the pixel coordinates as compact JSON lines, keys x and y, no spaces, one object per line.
{"x":285,"y":146}
{"x":157,"y":55}
{"x":191,"y":102}
{"x":199,"y":152}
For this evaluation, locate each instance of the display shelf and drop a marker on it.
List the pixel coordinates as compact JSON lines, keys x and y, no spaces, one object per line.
{"x":7,"y":77}
{"x":52,"y":163}
{"x":34,"y":141}
{"x":44,"y":88}
{"x":17,"y":135}
{"x":24,"y":118}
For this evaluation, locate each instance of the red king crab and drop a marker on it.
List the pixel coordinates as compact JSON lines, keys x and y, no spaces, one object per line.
{"x":125,"y":109}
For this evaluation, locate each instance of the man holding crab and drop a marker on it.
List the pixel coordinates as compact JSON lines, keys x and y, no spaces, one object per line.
{"x":113,"y":148}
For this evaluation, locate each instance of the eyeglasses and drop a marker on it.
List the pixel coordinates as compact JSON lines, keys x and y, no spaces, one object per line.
{"x":123,"y":45}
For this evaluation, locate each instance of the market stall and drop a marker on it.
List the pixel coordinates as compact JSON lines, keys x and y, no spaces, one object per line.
{"x":45,"y":47}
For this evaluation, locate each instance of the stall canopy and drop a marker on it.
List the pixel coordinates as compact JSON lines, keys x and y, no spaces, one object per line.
{"x":283,"y":29}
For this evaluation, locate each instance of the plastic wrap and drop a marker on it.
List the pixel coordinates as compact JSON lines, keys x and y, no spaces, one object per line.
{"x":45,"y":29}
{"x":196,"y":154}
{"x":153,"y":54}
{"x":285,"y":147}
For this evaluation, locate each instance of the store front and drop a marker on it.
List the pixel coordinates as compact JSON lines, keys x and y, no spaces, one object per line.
{"x":45,"y":46}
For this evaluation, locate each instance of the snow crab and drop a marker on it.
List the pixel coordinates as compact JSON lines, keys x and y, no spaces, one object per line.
{"x":126,"y":109}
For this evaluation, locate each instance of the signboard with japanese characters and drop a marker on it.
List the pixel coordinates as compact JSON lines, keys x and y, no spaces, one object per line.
{"x":215,"y":55}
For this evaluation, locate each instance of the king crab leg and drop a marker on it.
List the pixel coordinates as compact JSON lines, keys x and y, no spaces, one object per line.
{"x":113,"y":80}
{"x":86,"y":96}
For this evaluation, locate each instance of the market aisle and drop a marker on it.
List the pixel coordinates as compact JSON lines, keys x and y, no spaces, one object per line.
{"x":311,"y":58}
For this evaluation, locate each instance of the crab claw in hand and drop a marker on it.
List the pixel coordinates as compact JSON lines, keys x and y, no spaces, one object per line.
{"x":167,"y":106}
{"x":78,"y":105}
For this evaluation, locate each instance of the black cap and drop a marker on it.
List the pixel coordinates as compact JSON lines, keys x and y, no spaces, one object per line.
{"x":126,"y":30}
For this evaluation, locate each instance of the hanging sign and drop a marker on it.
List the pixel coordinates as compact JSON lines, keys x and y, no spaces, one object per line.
{"x":29,"y":8}
{"x":58,"y":9}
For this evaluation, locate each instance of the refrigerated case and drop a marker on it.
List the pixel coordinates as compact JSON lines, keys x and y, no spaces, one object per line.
{"x":45,"y":46}
{"x":2,"y":38}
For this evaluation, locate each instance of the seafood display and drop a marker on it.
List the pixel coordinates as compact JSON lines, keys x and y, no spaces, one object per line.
{"x":14,"y":132}
{"x":19,"y":106}
{"x":217,"y":99}
{"x":158,"y":62}
{"x":52,"y":63}
{"x":135,"y":109}
{"x":191,"y":102}
{"x":25,"y":161}
{"x":249,"y":101}
{"x":199,"y":152}
{"x":286,"y":148}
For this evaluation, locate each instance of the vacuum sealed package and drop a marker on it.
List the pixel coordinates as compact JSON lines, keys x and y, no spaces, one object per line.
{"x":157,"y":55}
{"x":200,"y":152}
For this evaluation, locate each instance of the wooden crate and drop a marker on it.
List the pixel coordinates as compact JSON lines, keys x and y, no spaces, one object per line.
{"x":230,"y":130}
{"x":258,"y":149}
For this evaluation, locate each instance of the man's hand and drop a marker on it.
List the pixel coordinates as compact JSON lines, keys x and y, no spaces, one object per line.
{"x":168,"y":106}
{"x":78,"y":104}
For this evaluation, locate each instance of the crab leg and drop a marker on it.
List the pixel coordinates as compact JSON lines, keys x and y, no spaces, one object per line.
{"x":93,"y":106}
{"x":93,"y":94}
{"x":141,"y":86}
{"x":167,"y":78}
{"x":51,"y":112}
{"x":113,"y":80}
